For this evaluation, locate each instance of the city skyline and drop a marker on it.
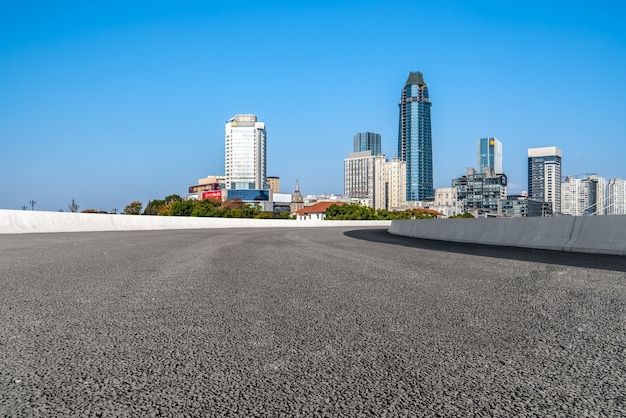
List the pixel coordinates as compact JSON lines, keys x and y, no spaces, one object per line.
{"x":112,"y":103}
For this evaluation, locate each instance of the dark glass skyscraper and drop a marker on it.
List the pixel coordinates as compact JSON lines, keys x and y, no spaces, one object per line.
{"x":415,"y":143}
{"x":367,"y":141}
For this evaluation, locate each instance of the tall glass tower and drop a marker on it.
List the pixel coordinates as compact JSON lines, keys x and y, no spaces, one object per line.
{"x":367,"y":141}
{"x":415,"y":143}
{"x":489,"y":154}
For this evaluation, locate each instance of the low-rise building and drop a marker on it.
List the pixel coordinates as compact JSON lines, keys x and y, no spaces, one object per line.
{"x":316,"y":211}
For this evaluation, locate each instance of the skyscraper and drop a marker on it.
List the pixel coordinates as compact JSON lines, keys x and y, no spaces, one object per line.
{"x":489,"y":154}
{"x":367,"y":141}
{"x":245,"y":154}
{"x":544,"y":176}
{"x":415,"y":138}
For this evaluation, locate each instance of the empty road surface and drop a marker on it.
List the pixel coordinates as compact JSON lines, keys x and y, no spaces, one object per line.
{"x":305,"y":322}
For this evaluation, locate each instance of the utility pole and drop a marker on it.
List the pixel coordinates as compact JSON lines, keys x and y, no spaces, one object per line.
{"x":32,"y":204}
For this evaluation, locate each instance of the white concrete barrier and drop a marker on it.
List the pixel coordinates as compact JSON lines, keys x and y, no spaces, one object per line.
{"x":24,"y":221}
{"x":587,"y":234}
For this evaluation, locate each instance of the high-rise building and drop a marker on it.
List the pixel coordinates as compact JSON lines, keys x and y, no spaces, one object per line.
{"x":395,"y":183}
{"x":583,"y":195}
{"x":367,"y":141}
{"x":544,"y":176}
{"x":246,"y":157}
{"x":489,"y":155}
{"x":616,"y":197}
{"x":364,"y":178}
{"x":415,"y":138}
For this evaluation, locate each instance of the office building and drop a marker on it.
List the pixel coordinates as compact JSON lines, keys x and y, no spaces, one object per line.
{"x":367,"y":141}
{"x":544,"y":176}
{"x":364,"y":179}
{"x":245,"y":162}
{"x":616,"y":197}
{"x":415,"y":138}
{"x":489,"y":155}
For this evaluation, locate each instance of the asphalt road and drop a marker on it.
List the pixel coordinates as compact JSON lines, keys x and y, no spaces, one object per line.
{"x":305,"y":322}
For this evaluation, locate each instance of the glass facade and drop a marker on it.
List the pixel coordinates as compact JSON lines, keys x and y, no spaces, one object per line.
{"x":415,"y":138}
{"x":544,"y":176}
{"x":367,"y":141}
{"x":489,"y":155}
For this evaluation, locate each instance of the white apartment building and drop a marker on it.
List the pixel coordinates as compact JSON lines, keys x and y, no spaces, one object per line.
{"x":616,"y":197}
{"x":245,"y":156}
{"x":364,"y":179}
{"x":583,"y":195}
{"x":395,"y":178}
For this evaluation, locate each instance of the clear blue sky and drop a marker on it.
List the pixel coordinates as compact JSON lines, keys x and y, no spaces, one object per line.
{"x":113,"y":101}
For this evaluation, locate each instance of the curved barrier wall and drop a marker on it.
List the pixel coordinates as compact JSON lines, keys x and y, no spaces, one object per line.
{"x":24,"y":221}
{"x":586,"y":234}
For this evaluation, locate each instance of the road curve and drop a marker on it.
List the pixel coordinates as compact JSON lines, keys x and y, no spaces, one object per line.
{"x":305,"y":322}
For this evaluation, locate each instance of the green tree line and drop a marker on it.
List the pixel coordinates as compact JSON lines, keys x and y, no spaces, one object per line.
{"x":174,"y":205}
{"x":355,"y":211}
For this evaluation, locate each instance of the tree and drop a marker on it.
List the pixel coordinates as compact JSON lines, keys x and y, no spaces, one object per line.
{"x":463,"y":215}
{"x":206,"y":207}
{"x":153,"y":206}
{"x":73,"y":207}
{"x":133,"y":208}
{"x":182,"y":208}
{"x":230,"y":204}
{"x":173,"y":198}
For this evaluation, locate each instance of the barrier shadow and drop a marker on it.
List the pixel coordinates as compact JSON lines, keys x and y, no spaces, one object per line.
{"x":593,"y":261}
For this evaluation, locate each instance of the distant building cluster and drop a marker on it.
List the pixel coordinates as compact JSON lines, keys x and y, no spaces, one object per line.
{"x":406,"y":180}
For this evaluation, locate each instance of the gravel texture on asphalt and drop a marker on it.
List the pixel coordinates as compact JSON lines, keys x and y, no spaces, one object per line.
{"x":305,"y":322}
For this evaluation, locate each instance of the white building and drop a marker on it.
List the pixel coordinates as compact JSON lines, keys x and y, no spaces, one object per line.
{"x":245,"y":156}
{"x":395,"y":178}
{"x":583,"y":195}
{"x":446,"y":202}
{"x":616,"y":197}
{"x":364,"y":178}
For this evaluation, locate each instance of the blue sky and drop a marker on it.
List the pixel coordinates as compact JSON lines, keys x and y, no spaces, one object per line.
{"x":110,"y":102}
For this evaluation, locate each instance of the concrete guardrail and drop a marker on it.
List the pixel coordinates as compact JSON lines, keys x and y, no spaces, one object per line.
{"x":586,"y":234}
{"x":24,"y":221}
